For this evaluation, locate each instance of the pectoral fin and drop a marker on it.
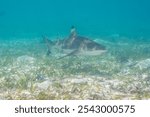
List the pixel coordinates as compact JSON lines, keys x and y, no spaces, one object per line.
{"x":73,"y":53}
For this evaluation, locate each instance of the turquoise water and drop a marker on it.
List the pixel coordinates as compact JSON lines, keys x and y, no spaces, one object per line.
{"x":30,"y":18}
{"x":122,"y":72}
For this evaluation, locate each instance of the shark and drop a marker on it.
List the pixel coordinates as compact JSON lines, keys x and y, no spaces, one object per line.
{"x":75,"y":45}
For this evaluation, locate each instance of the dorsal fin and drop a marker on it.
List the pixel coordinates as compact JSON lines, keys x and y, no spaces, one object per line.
{"x":73,"y":32}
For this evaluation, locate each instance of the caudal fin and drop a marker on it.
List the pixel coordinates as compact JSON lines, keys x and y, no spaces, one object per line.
{"x":48,"y":43}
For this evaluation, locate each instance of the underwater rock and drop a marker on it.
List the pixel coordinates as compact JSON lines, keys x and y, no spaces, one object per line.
{"x":25,"y":59}
{"x":43,"y":85}
{"x":144,"y":64}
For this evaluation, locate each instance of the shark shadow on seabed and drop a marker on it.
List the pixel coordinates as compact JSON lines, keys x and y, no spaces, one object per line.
{"x":75,"y":45}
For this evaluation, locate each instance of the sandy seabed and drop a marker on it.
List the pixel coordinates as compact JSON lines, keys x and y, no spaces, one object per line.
{"x":123,"y":72}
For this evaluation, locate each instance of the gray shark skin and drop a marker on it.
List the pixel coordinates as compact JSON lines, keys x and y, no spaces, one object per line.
{"x":76,"y":45}
{"x":79,"y":42}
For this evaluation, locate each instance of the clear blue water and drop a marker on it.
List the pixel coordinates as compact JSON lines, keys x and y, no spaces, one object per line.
{"x":33,"y":18}
{"x":122,"y":26}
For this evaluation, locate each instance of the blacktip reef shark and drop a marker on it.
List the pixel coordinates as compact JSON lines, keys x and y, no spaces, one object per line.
{"x":76,"y":45}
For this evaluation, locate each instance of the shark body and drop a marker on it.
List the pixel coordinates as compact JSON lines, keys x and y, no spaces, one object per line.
{"x":76,"y":45}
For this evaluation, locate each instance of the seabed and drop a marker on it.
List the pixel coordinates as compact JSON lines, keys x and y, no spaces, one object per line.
{"x":123,"y":72}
